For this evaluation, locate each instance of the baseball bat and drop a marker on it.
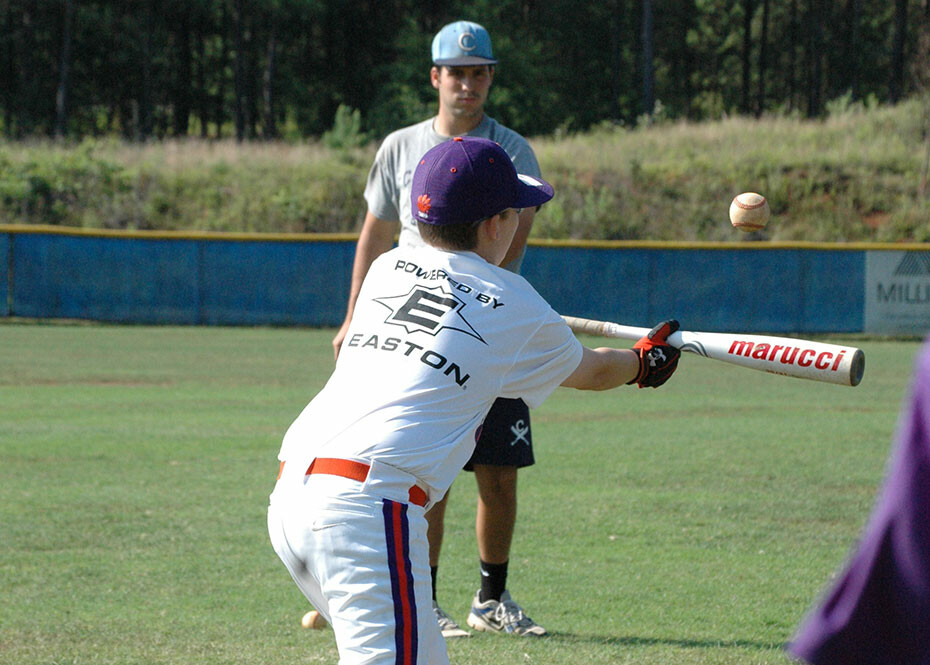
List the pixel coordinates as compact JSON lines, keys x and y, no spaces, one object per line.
{"x":787,"y":356}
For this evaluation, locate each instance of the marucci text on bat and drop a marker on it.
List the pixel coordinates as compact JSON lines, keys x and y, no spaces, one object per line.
{"x":790,"y":355}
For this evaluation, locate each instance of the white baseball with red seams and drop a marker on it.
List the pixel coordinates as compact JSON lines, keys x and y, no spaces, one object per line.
{"x":749,"y":211}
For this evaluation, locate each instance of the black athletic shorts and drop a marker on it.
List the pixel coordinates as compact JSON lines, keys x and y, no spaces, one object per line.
{"x":505,"y":437}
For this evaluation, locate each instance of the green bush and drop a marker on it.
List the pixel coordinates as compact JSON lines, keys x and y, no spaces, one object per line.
{"x":851,"y":177}
{"x":346,"y":131}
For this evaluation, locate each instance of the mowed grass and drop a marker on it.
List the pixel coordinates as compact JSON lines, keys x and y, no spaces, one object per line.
{"x":692,"y":524}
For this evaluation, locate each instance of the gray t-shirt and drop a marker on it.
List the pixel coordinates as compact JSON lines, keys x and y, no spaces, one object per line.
{"x":391,"y":177}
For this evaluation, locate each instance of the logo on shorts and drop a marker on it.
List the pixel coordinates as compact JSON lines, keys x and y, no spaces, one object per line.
{"x":520,"y":430}
{"x":428,"y":310}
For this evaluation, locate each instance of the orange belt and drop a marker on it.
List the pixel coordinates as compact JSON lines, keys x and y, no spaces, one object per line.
{"x":355,"y":471}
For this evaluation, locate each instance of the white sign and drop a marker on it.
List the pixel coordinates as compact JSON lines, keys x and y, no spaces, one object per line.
{"x":897,"y":292}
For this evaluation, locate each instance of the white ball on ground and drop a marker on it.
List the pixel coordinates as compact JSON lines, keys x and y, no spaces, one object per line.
{"x":314,"y":620}
{"x":749,"y":211}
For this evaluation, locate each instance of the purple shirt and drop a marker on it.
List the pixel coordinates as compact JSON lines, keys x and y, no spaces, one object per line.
{"x":878,"y":612}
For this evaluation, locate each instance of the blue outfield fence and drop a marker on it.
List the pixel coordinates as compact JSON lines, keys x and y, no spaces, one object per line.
{"x":6,"y":267}
{"x":770,"y":290}
{"x":250,"y":279}
{"x":180,"y":280}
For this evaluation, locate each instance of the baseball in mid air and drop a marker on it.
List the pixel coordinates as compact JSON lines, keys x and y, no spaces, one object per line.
{"x":313,"y":619}
{"x":749,"y":211}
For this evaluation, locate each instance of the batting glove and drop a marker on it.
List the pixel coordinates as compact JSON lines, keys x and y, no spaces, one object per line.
{"x":658,"y":360}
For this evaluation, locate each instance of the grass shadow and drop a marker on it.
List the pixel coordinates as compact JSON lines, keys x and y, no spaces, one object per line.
{"x":634,"y":641}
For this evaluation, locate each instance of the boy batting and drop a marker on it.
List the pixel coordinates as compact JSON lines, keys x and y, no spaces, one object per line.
{"x":462,"y":74}
{"x":438,"y":333}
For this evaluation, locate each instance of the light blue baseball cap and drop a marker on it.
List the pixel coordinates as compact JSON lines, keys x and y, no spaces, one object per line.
{"x":462,"y":43}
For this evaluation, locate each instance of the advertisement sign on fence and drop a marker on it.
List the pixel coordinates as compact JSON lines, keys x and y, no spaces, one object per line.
{"x":897,"y":292}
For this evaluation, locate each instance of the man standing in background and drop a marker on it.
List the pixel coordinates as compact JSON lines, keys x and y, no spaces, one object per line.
{"x":462,"y":73}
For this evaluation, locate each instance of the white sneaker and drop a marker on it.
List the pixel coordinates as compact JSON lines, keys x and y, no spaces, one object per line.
{"x":447,"y":624}
{"x":502,"y":617}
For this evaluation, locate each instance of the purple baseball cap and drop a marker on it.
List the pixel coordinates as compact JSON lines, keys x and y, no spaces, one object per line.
{"x":469,"y":179}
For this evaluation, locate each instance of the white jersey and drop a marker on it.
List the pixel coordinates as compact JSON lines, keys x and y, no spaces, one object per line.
{"x":390,"y":179}
{"x":435,"y":338}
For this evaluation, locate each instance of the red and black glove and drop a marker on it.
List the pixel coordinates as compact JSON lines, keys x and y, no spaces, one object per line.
{"x":657,"y":358}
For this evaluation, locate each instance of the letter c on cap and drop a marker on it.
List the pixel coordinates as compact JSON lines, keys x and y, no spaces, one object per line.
{"x":467,"y":41}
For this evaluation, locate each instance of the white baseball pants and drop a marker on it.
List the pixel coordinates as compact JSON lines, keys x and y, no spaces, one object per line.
{"x":362,"y":560}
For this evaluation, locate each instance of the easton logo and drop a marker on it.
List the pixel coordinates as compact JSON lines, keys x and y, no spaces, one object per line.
{"x":789,"y":355}
{"x":428,"y":310}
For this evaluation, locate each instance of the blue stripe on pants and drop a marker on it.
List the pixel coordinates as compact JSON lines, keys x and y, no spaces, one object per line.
{"x":397,"y":535}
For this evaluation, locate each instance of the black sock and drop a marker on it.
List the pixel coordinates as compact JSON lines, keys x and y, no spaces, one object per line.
{"x":493,"y":581}
{"x":432,"y":574}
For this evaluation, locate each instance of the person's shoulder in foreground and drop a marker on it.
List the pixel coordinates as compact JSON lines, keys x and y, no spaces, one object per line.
{"x":877,"y":611}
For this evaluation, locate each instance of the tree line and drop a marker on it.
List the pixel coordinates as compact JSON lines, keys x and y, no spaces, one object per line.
{"x":272,"y":69}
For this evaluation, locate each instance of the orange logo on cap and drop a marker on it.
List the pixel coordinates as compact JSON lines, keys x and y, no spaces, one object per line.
{"x":423,"y":203}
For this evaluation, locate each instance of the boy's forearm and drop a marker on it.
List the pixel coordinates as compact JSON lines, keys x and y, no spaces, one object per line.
{"x":603,"y":369}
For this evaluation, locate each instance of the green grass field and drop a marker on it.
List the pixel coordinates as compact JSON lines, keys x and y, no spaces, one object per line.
{"x":692,"y":524}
